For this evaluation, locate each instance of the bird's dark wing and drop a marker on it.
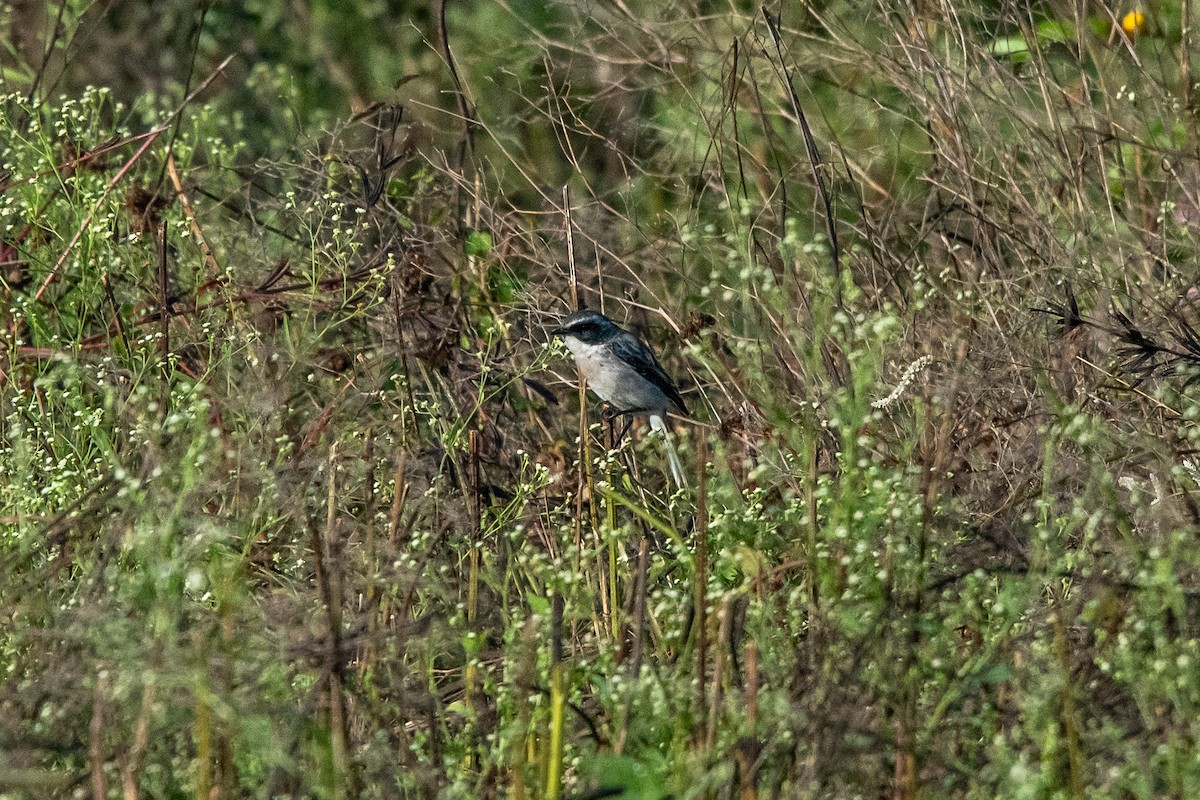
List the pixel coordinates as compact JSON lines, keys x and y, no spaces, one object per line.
{"x":636,"y":354}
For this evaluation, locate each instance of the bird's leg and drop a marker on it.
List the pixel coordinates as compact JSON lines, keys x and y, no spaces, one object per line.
{"x":611,"y":414}
{"x":610,"y":439}
{"x":625,"y":430}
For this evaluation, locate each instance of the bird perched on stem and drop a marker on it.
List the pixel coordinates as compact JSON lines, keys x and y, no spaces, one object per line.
{"x":624,"y":373}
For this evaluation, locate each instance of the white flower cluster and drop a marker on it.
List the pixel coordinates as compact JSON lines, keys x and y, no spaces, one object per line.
{"x":910,"y":374}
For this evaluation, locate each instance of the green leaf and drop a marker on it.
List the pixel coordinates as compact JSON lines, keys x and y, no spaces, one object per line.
{"x":634,"y":778}
{"x":1053,"y":30}
{"x":478,"y":243}
{"x":1015,"y":47}
{"x":998,"y":673}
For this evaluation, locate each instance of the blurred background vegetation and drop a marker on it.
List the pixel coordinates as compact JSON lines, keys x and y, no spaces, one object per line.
{"x":297,"y":500}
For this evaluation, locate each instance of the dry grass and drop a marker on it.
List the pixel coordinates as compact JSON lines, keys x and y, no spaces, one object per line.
{"x":299,"y":501}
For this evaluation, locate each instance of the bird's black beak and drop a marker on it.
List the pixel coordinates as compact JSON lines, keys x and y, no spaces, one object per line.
{"x":556,"y":332}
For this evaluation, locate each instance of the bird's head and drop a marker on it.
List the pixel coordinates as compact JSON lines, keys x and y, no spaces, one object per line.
{"x":590,"y":327}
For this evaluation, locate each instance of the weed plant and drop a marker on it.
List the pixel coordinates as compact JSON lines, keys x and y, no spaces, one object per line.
{"x":298,"y":500}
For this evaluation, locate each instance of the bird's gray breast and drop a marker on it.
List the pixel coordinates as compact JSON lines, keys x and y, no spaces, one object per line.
{"x":614,"y":381}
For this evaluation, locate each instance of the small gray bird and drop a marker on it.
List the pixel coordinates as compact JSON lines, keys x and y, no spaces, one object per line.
{"x":624,"y":373}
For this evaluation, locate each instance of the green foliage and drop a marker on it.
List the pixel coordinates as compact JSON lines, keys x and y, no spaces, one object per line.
{"x":297,"y":500}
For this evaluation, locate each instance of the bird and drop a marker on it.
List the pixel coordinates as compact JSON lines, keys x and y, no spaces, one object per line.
{"x":624,"y":373}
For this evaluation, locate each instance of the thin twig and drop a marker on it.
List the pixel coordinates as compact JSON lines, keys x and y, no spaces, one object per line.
{"x":814,"y":155}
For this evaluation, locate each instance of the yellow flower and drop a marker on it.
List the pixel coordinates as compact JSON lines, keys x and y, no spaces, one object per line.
{"x":1133,"y":23}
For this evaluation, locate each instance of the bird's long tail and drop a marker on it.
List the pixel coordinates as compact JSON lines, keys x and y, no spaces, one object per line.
{"x":658,"y":424}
